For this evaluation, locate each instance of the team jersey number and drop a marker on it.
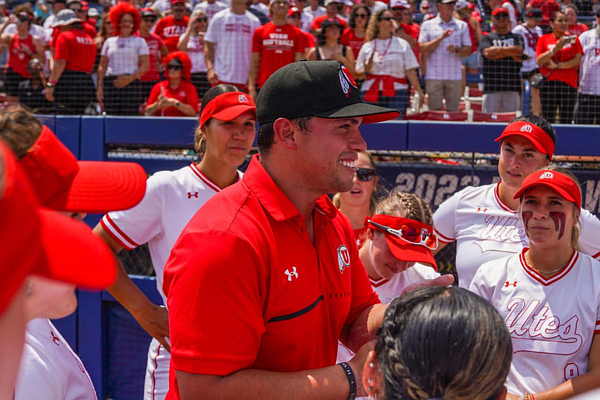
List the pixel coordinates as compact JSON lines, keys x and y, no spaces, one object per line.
{"x":571,"y":371}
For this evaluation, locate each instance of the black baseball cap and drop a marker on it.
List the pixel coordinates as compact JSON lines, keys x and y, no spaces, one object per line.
{"x":322,"y":89}
{"x":534,"y":13}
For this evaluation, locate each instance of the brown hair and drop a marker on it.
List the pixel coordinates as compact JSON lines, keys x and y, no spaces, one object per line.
{"x":19,"y":129}
{"x":337,"y":202}
{"x":406,"y":205}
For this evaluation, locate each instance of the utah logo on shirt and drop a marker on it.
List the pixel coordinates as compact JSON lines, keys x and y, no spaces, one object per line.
{"x":343,"y":258}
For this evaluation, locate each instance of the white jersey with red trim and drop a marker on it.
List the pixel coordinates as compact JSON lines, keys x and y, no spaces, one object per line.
{"x":389,"y":289}
{"x":171,"y":200}
{"x":49,"y":369}
{"x":552,"y":321}
{"x":486,"y":229}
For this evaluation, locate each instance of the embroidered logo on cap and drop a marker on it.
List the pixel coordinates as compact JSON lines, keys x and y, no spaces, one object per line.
{"x":526,"y":128}
{"x":343,"y":258}
{"x":243,"y":99}
{"x":547,"y":175}
{"x":346,"y":81}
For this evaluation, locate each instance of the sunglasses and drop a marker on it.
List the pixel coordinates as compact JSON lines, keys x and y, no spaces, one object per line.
{"x":365,"y":174}
{"x":361,"y":16}
{"x":202,"y":19}
{"x":150,"y":20}
{"x":386,"y":18}
{"x":414,"y":235}
{"x":295,"y":16}
{"x":174,"y":67}
{"x":500,"y":16}
{"x":76,"y":9}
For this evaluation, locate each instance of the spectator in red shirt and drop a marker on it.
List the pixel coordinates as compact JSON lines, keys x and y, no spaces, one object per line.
{"x":22,"y":47}
{"x":172,"y":27}
{"x":354,"y":35}
{"x":70,"y":85}
{"x":274,"y":45}
{"x":77,"y":6}
{"x":575,"y":28}
{"x":548,"y":8}
{"x":295,"y":18}
{"x":175,"y":97}
{"x":404,"y":27}
{"x":157,"y":52}
{"x":559,"y":56}
{"x":332,"y":7}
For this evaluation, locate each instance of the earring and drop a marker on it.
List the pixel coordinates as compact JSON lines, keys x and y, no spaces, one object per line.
{"x":371,"y":365}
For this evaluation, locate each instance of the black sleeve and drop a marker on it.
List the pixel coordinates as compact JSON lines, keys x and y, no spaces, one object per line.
{"x":485,"y":42}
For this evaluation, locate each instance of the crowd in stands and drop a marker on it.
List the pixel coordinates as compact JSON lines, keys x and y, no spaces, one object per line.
{"x":159,"y":58}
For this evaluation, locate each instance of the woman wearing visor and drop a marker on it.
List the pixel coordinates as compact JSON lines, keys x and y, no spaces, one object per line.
{"x":548,"y":294}
{"x":223,"y":140}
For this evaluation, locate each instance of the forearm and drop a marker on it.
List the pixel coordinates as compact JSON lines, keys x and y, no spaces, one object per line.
{"x":57,"y":71}
{"x":543,"y":58}
{"x":144,"y":66}
{"x":568,"y":389}
{"x":186,"y":109}
{"x":572,"y":63}
{"x":183,"y":42}
{"x":328,"y":383}
{"x":364,"y":328}
{"x":209,"y":55}
{"x":411,"y":74}
{"x":411,"y":40}
{"x":428,"y":47}
{"x":255,"y":58}
{"x":464,"y":51}
{"x":128,"y":294}
{"x":102,"y":70}
{"x":151,"y":109}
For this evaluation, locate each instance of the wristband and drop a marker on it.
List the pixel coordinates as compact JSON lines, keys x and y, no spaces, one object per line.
{"x":53,"y":82}
{"x":177,"y":103}
{"x":351,"y":379}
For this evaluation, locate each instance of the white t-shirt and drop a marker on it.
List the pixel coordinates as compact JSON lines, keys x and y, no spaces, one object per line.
{"x":314,"y":13}
{"x":393,"y":57}
{"x":263,"y":8}
{"x":232,"y":36}
{"x":389,"y":289}
{"x":589,"y":72}
{"x":195,"y":50}
{"x":171,"y":200}
{"x":441,"y":63}
{"x":552,"y":321}
{"x":486,"y":229}
{"x":210,"y":9}
{"x":530,"y":38}
{"x":123,"y":54}
{"x":512,"y":13}
{"x":50,"y":370}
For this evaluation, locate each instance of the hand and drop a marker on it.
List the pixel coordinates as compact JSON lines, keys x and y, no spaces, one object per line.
{"x":369,"y":63}
{"x":100,"y":94}
{"x":551,"y":65}
{"x":444,"y":280}
{"x":155,"y":321}
{"x":49,"y":94}
{"x":451,"y":48}
{"x":212,"y":77}
{"x":421,"y":100}
{"x":122,"y":81}
{"x":447,"y":33}
{"x":357,"y":364}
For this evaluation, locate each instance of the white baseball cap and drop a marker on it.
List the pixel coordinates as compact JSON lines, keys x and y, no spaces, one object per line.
{"x":399,"y":4}
{"x":461,"y":4}
{"x":273,"y":1}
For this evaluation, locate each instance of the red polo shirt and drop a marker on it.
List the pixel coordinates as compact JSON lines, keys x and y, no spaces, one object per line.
{"x":78,"y":49}
{"x":185,"y":93}
{"x":246,"y":287}
{"x":569,"y":76}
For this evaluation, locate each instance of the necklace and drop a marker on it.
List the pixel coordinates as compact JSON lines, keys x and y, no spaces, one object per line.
{"x":528,"y":260}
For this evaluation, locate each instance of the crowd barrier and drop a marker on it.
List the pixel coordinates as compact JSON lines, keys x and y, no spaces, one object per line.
{"x":110,"y":343}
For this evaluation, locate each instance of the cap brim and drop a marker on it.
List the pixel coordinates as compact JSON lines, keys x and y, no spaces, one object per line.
{"x":535,"y":143}
{"x":100,"y":187}
{"x":410,"y":252}
{"x":370,"y":113}
{"x":232,"y":112}
{"x":74,"y":254}
{"x":568,"y":196}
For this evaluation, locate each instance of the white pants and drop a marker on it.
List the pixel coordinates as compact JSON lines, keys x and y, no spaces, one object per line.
{"x":157,"y":372}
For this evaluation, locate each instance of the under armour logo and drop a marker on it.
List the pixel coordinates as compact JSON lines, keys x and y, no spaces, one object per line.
{"x":507,"y":284}
{"x":547,"y":175}
{"x":479,"y":209}
{"x":526,"y":128}
{"x":290,"y":274}
{"x":190,"y":195}
{"x":55,"y":339}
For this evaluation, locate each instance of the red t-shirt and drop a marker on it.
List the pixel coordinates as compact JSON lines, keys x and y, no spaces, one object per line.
{"x":155,"y":44}
{"x":569,"y":76}
{"x":548,"y":7}
{"x":319,"y":20}
{"x":277,"y":46}
{"x":350,"y":39}
{"x":78,"y":48}
{"x":185,"y":93}
{"x":309,"y":40}
{"x":577,"y":29}
{"x":273,"y":300}
{"x":413,"y":30}
{"x":169,"y":29}
{"x":17,"y":56}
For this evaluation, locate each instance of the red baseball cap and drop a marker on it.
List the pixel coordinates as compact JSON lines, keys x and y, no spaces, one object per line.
{"x":177,"y":1}
{"x":62,"y":183}
{"x":564,"y":185}
{"x":227,"y":106}
{"x":43,"y":242}
{"x":536,"y":135}
{"x":294,"y":10}
{"x":500,"y":10}
{"x":85,"y":5}
{"x":408,"y":239}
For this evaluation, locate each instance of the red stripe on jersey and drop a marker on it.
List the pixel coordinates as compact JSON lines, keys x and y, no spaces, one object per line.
{"x":153,"y":372}
{"x":502,"y":204}
{"x":379,"y":282}
{"x":443,"y":238}
{"x":116,"y":228}
{"x":204,"y":179}
{"x":597,"y":331}
{"x":551,"y":279}
{"x":596,"y":256}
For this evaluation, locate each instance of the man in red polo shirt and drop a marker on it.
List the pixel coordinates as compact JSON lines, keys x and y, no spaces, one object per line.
{"x":280,"y":281}
{"x":172,"y":27}
{"x":332,"y":12}
{"x":274,"y":45}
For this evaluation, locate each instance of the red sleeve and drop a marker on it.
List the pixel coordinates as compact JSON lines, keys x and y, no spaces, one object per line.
{"x":541,"y":46}
{"x":256,"y":40}
{"x":578,"y":48}
{"x":300,"y":44}
{"x":317,"y":23}
{"x":215,"y":329}
{"x":154,"y":94}
{"x":584,"y":27}
{"x":191,"y":96}
{"x":310,"y":40}
{"x":160,"y":26}
{"x":62,"y":49}
{"x":345,"y":38}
